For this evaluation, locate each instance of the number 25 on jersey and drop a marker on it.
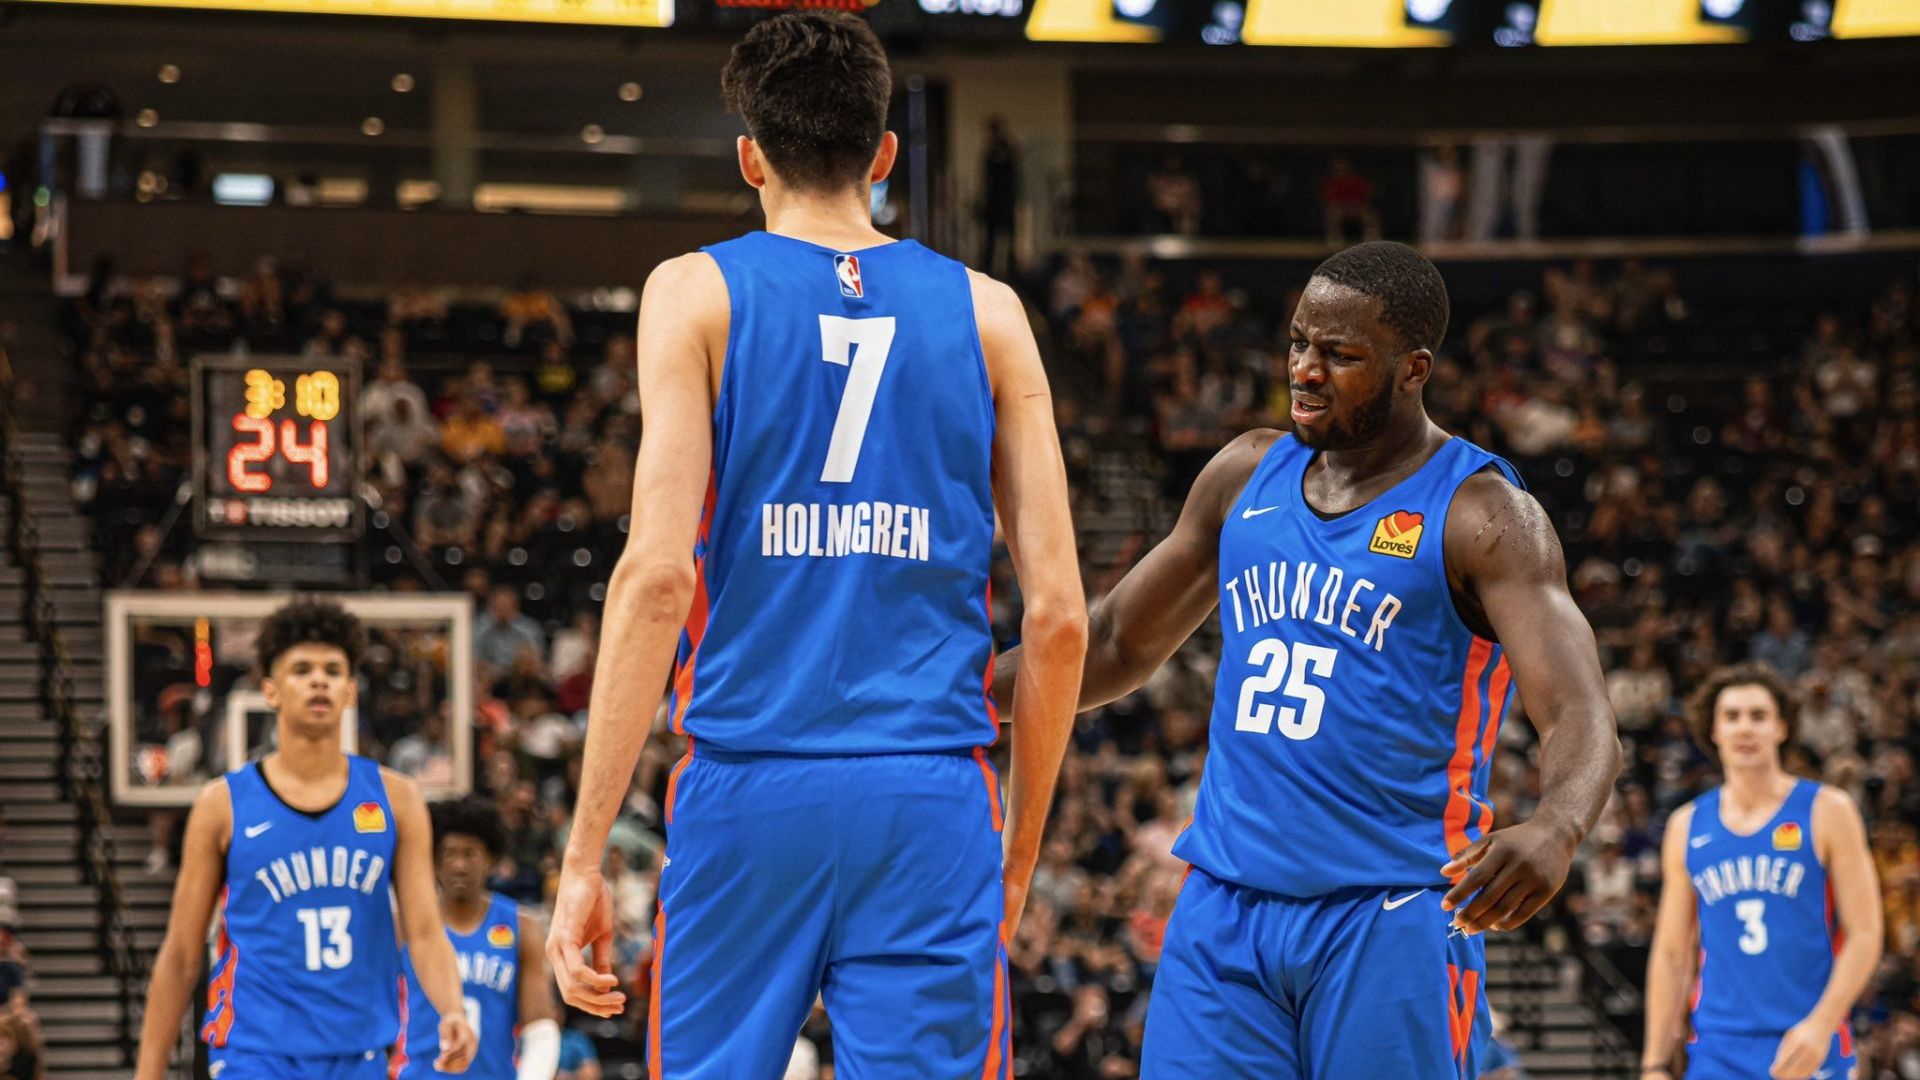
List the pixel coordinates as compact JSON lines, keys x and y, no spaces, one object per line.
{"x":1277,"y":664}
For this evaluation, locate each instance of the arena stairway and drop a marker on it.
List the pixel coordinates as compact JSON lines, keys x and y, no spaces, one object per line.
{"x":51,"y":777}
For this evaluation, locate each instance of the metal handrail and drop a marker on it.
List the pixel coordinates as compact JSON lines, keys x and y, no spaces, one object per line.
{"x":80,"y":752}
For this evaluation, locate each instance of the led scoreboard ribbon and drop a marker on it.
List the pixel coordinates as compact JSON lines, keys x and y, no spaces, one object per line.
{"x":275,"y":448}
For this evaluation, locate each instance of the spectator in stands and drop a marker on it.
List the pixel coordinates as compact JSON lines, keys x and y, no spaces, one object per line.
{"x":1174,"y":194}
{"x":471,"y":431}
{"x":390,"y":385}
{"x":534,"y":314}
{"x":1346,"y":203}
{"x":501,"y":633}
{"x":447,"y":515}
{"x":1442,"y":182}
{"x":425,"y":754}
{"x":407,"y":435}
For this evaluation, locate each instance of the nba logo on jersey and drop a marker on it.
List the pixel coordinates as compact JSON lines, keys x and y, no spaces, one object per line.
{"x":847,"y":269}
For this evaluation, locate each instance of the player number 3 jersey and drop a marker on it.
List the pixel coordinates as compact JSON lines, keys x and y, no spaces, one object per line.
{"x":307,"y":963}
{"x":1354,"y":713}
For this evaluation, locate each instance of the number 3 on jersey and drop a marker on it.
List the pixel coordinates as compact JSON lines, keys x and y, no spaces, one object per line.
{"x":861,"y":346}
{"x":1295,"y":723}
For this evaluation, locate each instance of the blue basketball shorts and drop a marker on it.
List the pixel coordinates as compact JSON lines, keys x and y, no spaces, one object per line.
{"x":230,"y":1064}
{"x":1359,"y":983}
{"x":1727,"y":1056}
{"x":873,"y":882}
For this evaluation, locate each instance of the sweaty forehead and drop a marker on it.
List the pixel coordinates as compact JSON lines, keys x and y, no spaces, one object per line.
{"x":1329,"y":309}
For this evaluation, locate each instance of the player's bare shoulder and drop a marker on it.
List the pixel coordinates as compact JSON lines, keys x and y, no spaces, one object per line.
{"x":1224,"y":477}
{"x":212,"y":812}
{"x":1494,"y":522}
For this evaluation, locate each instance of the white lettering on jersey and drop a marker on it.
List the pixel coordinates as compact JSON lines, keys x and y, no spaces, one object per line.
{"x":1749,"y":874}
{"x":486,"y":969}
{"x":321,"y":868}
{"x":833,"y":531}
{"x":1259,"y":595}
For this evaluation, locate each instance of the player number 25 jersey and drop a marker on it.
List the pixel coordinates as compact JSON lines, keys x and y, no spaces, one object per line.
{"x":841,"y":603}
{"x":1354,"y":714}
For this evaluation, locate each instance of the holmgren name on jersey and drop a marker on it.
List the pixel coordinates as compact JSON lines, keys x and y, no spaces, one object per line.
{"x":1260,"y":595}
{"x":832,"y":530}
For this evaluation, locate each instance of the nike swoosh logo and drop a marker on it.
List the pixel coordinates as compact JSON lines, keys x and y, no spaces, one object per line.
{"x":1252,"y":513}
{"x":255,"y":830}
{"x":1389,"y":903}
{"x":1699,"y":841}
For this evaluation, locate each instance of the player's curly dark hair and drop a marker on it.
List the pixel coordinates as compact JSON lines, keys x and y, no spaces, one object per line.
{"x":470,"y":816}
{"x":1412,"y":295}
{"x":309,"y":620}
{"x":813,"y":88}
{"x":1750,"y":673}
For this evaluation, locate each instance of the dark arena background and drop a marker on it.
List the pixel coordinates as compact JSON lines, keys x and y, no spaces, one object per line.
{"x":339,"y":296}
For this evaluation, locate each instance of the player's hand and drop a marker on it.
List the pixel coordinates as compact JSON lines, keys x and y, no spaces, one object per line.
{"x":457,"y":1044}
{"x":1802,"y":1050}
{"x":582,"y":920}
{"x":1514,"y":872}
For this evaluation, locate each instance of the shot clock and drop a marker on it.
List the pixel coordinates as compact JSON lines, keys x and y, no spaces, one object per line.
{"x":276,"y":448}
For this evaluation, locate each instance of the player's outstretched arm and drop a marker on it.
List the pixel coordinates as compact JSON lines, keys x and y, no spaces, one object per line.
{"x":203,"y":869}
{"x":1158,"y":605}
{"x":421,"y":926}
{"x":539,"y":1057}
{"x":1670,"y":964}
{"x":1030,"y":492}
{"x":1840,"y":842}
{"x":683,"y":322}
{"x":1506,"y":560}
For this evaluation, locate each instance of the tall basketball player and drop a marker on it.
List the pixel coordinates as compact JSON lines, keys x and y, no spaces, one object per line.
{"x":1769,"y":905}
{"x":306,"y":852}
{"x":504,"y":982}
{"x":830,"y":421}
{"x":1383,"y":587}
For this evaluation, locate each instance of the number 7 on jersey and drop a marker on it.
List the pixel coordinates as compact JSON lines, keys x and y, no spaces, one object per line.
{"x":861,"y":346}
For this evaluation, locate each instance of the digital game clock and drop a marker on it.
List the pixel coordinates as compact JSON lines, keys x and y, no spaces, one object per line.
{"x":276,"y":447}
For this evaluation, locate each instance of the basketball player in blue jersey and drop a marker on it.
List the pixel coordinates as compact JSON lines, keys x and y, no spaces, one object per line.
{"x":306,"y":852}
{"x":503,"y":970}
{"x":1383,"y":587}
{"x":1770,"y":914}
{"x":830,"y":422}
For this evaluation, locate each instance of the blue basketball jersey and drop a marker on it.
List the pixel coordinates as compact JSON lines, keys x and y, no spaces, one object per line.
{"x":841,"y":605}
{"x":489,"y":959}
{"x":307,"y":963}
{"x":1354,"y":713}
{"x":1766,"y":918}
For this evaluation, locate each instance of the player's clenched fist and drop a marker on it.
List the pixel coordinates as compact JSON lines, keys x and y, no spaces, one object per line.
{"x":583,"y":919}
{"x":457,"y":1044}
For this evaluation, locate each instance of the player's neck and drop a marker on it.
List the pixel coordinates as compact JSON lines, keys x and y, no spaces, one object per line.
{"x":310,"y":759}
{"x":464,"y":915}
{"x":840,"y":221}
{"x":1756,"y":787}
{"x":1404,"y":442}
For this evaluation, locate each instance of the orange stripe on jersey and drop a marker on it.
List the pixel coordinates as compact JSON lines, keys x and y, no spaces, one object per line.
{"x":1699,"y":985}
{"x":673,"y":779}
{"x":696,"y":615}
{"x":995,"y":1068}
{"x":1465,"y":733}
{"x":1836,"y":940}
{"x":397,"y":1063}
{"x":653,"y":1005}
{"x":993,"y":786}
{"x":219,"y":1023}
{"x":1497,"y":706}
{"x":993,"y":707}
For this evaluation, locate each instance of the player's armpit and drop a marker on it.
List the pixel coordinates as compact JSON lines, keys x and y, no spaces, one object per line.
{"x":195,"y":891}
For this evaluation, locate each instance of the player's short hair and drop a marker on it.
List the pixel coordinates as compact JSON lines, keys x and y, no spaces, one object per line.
{"x":470,"y":816}
{"x":1700,"y":707}
{"x":309,"y":620}
{"x":1412,"y":295}
{"x":813,"y":88}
